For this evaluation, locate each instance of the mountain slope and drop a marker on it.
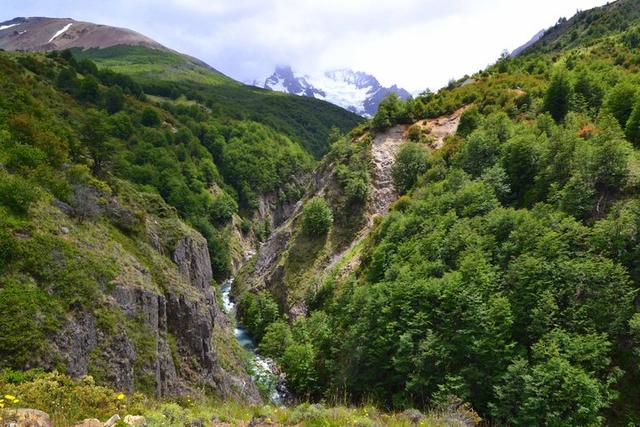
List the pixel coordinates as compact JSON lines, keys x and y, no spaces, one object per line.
{"x":589,"y":26}
{"x":45,"y":34}
{"x":101,"y":269}
{"x":169,"y":74}
{"x":507,"y":275}
{"x":357,"y":92}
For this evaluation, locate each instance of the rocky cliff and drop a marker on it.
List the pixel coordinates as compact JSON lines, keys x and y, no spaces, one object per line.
{"x":157,"y":325}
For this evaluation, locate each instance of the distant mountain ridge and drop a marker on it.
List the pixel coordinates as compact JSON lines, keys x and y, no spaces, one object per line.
{"x":517,"y":51}
{"x":356,"y":91}
{"x":45,"y":34}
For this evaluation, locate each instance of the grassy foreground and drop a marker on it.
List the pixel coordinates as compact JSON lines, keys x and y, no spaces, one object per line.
{"x":69,"y":402}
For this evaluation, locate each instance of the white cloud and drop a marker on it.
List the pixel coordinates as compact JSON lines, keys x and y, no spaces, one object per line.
{"x":414,"y":43}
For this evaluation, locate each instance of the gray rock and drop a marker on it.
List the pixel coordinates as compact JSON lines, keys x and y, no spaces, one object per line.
{"x":135,"y":420}
{"x":192,"y":258}
{"x":112,"y":421}
{"x":24,"y":417}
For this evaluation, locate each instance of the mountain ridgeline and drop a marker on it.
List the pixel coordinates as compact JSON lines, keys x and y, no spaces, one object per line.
{"x":358,"y":92}
{"x":470,"y":253}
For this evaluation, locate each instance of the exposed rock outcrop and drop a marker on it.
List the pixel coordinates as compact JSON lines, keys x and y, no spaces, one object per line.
{"x":157,"y":326}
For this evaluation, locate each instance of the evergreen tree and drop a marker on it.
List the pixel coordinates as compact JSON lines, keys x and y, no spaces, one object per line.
{"x":557,"y":98}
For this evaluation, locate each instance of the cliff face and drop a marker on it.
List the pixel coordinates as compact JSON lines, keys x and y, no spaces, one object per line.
{"x":157,"y":327}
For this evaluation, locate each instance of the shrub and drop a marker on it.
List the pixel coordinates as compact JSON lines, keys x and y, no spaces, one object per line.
{"x":317,"y":217}
{"x":470,"y":120}
{"x":556,"y":100}
{"x":620,"y":102}
{"x":223,"y":207}
{"x":411,"y":161}
{"x":29,"y":316}
{"x":150,"y":117}
{"x":276,"y":340}
{"x":258,"y":311}
{"x":17,"y":194}
{"x":633,"y":125}
{"x":114,"y":100}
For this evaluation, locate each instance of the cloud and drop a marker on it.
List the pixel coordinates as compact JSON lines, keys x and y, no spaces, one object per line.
{"x":414,"y":43}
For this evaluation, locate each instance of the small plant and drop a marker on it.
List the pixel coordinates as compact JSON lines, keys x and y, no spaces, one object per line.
{"x":317,"y":217}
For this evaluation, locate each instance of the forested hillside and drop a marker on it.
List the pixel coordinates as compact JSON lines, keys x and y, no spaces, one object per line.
{"x":506,"y":275}
{"x":171,"y":75}
{"x":118,"y":210}
{"x":472,"y":253}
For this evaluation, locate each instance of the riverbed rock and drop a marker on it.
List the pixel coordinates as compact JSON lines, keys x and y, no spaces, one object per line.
{"x":112,"y":421}
{"x":135,"y":420}
{"x":25,"y":417}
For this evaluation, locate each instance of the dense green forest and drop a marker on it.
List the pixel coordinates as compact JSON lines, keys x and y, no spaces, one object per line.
{"x":507,"y":276}
{"x":502,"y":283}
{"x":306,"y":121}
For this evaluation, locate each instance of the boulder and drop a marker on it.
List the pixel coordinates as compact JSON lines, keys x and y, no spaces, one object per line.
{"x":112,"y":421}
{"x":135,"y":420}
{"x":24,"y":417}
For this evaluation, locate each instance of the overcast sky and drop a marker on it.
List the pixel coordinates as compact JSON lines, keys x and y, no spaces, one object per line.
{"x":413,"y":43}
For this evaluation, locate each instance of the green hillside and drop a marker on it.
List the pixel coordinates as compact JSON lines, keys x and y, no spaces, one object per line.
{"x":306,"y":121}
{"x":506,"y":276}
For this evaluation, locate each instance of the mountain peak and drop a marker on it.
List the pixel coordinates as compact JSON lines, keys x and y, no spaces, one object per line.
{"x":355,"y":91}
{"x":44,"y":34}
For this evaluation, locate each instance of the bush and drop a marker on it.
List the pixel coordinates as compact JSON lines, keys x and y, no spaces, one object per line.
{"x":411,"y":161}
{"x":114,"y":100}
{"x":317,"y":217}
{"x":470,"y":120}
{"x":257,"y":312}
{"x":276,"y":340}
{"x":556,"y":100}
{"x":17,"y":194}
{"x":150,"y":117}
{"x":620,"y":102}
{"x":29,"y":316}
{"x":223,"y":207}
{"x":388,"y":113}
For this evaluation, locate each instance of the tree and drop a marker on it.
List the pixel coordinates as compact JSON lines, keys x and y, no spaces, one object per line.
{"x":317,"y":217}
{"x":621,"y":101}
{"x":558,"y":95}
{"x":222,"y":209}
{"x":589,"y":90}
{"x":470,"y":120}
{"x":276,"y":340}
{"x":150,"y":117}
{"x":95,"y":136}
{"x":89,"y":90}
{"x":388,"y":112}
{"x":114,"y":99}
{"x":67,"y":80}
{"x":411,"y":161}
{"x":632,"y":130}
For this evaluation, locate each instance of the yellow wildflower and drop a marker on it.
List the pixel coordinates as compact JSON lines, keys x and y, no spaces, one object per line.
{"x":9,"y":397}
{"x":121,"y":396}
{"x":16,"y":401}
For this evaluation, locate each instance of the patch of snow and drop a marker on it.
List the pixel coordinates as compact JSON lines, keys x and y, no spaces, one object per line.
{"x":4,"y":27}
{"x":341,"y":91}
{"x":278,"y":87}
{"x":62,"y":31}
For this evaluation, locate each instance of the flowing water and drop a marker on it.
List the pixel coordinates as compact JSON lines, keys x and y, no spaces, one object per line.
{"x":266,"y":372}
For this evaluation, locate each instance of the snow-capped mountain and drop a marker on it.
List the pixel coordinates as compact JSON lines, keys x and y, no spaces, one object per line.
{"x":355,"y":91}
